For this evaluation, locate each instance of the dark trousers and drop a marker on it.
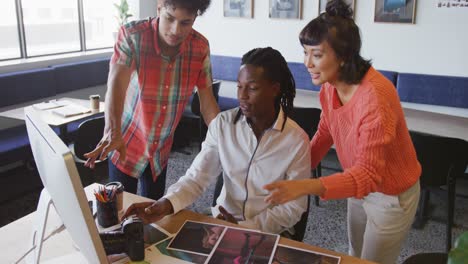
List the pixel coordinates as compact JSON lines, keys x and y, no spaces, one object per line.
{"x":149,"y":188}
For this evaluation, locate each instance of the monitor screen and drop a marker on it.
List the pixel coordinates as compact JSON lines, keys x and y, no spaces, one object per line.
{"x":62,"y":189}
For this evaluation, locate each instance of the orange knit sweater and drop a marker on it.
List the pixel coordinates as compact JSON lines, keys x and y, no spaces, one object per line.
{"x":371,"y":139}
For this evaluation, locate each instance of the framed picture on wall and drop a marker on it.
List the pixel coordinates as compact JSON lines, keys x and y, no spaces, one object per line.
{"x":290,"y":9}
{"x":238,"y":8}
{"x":323,"y":5}
{"x":395,"y":11}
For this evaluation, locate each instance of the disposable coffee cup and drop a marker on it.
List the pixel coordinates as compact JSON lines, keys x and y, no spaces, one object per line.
{"x":119,"y":193}
{"x":107,"y":213}
{"x":94,"y":103}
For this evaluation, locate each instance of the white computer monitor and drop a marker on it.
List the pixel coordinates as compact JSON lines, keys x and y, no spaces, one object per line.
{"x":62,"y":190}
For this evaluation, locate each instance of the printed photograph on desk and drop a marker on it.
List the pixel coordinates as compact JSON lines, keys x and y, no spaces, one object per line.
{"x":197,"y":237}
{"x":162,"y":247}
{"x":152,"y":234}
{"x":244,"y":246}
{"x":287,"y":255}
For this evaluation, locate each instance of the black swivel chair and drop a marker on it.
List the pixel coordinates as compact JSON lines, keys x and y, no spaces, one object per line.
{"x":308,"y":119}
{"x":424,"y":258}
{"x":442,"y":160}
{"x":299,"y":227}
{"x":195,"y":109}
{"x":192,"y":111}
{"x":88,"y":135}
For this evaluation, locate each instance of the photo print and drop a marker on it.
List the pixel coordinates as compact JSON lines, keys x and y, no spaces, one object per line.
{"x":289,"y":9}
{"x":203,"y":237}
{"x":290,"y":255}
{"x":395,"y":11}
{"x":153,"y":233}
{"x":238,"y":8}
{"x":190,"y":257}
{"x":244,"y":246}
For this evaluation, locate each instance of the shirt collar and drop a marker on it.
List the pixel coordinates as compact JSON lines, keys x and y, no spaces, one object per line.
{"x":277,"y":125}
{"x":157,"y":48}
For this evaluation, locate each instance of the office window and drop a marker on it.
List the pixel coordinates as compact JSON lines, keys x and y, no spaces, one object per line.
{"x":100,"y":23}
{"x":9,"y":46}
{"x":51,"y":26}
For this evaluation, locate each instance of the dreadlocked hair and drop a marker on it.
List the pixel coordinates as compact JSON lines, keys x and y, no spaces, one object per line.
{"x":275,"y":69}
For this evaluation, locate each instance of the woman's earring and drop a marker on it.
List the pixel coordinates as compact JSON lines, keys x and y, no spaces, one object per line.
{"x":342,"y":64}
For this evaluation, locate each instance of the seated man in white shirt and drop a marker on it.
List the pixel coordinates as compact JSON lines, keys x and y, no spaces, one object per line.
{"x":252,"y":145}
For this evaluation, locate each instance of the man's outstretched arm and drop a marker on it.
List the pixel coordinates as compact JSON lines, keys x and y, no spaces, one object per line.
{"x":117,"y":85}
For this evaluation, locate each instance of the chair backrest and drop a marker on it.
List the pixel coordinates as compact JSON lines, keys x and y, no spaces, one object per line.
{"x":307,"y":118}
{"x":423,"y":258}
{"x":440,"y":157}
{"x":195,"y":105}
{"x":299,"y":227}
{"x":88,"y":135}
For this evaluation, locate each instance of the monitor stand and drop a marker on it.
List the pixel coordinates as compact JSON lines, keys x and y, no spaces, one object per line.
{"x":40,"y":226}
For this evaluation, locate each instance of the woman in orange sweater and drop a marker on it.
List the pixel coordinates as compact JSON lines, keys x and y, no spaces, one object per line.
{"x":362,"y":116}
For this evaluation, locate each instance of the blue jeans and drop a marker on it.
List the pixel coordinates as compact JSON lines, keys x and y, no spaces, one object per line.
{"x":149,"y":188}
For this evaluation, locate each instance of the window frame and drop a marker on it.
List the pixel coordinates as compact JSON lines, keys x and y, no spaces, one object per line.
{"x":22,"y":35}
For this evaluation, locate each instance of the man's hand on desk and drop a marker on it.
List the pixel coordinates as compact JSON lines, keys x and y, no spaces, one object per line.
{"x":150,"y":212}
{"x":112,"y":140}
{"x":226,"y":216}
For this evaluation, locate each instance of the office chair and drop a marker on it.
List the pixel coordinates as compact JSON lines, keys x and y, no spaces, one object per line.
{"x":442,"y":159}
{"x":299,"y":227}
{"x":195,"y":109}
{"x":88,"y":135}
{"x":192,"y":112}
{"x":308,"y":119}
{"x":424,"y":258}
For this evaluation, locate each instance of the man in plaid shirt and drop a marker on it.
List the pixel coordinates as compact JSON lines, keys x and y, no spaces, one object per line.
{"x":156,"y":64}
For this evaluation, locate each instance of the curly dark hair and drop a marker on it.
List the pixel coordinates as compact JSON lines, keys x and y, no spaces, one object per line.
{"x":196,"y":6}
{"x":276,"y":70}
{"x":337,"y":27}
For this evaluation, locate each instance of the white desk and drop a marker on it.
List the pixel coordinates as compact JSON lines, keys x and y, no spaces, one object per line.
{"x":431,"y":119}
{"x":53,"y":119}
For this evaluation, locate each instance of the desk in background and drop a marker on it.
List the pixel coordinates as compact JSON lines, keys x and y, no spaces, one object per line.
{"x":15,"y":237}
{"x":53,"y":119}
{"x":432,"y":119}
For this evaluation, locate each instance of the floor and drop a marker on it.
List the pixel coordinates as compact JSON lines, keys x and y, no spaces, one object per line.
{"x":326,"y":224}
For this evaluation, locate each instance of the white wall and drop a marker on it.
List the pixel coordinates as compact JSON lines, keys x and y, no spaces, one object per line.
{"x":143,"y":8}
{"x":436,"y":44}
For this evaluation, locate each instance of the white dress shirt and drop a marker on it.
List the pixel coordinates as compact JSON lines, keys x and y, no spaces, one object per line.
{"x":247,"y":165}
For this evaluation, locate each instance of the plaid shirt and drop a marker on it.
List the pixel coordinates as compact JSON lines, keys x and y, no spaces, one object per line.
{"x":159,"y":90}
